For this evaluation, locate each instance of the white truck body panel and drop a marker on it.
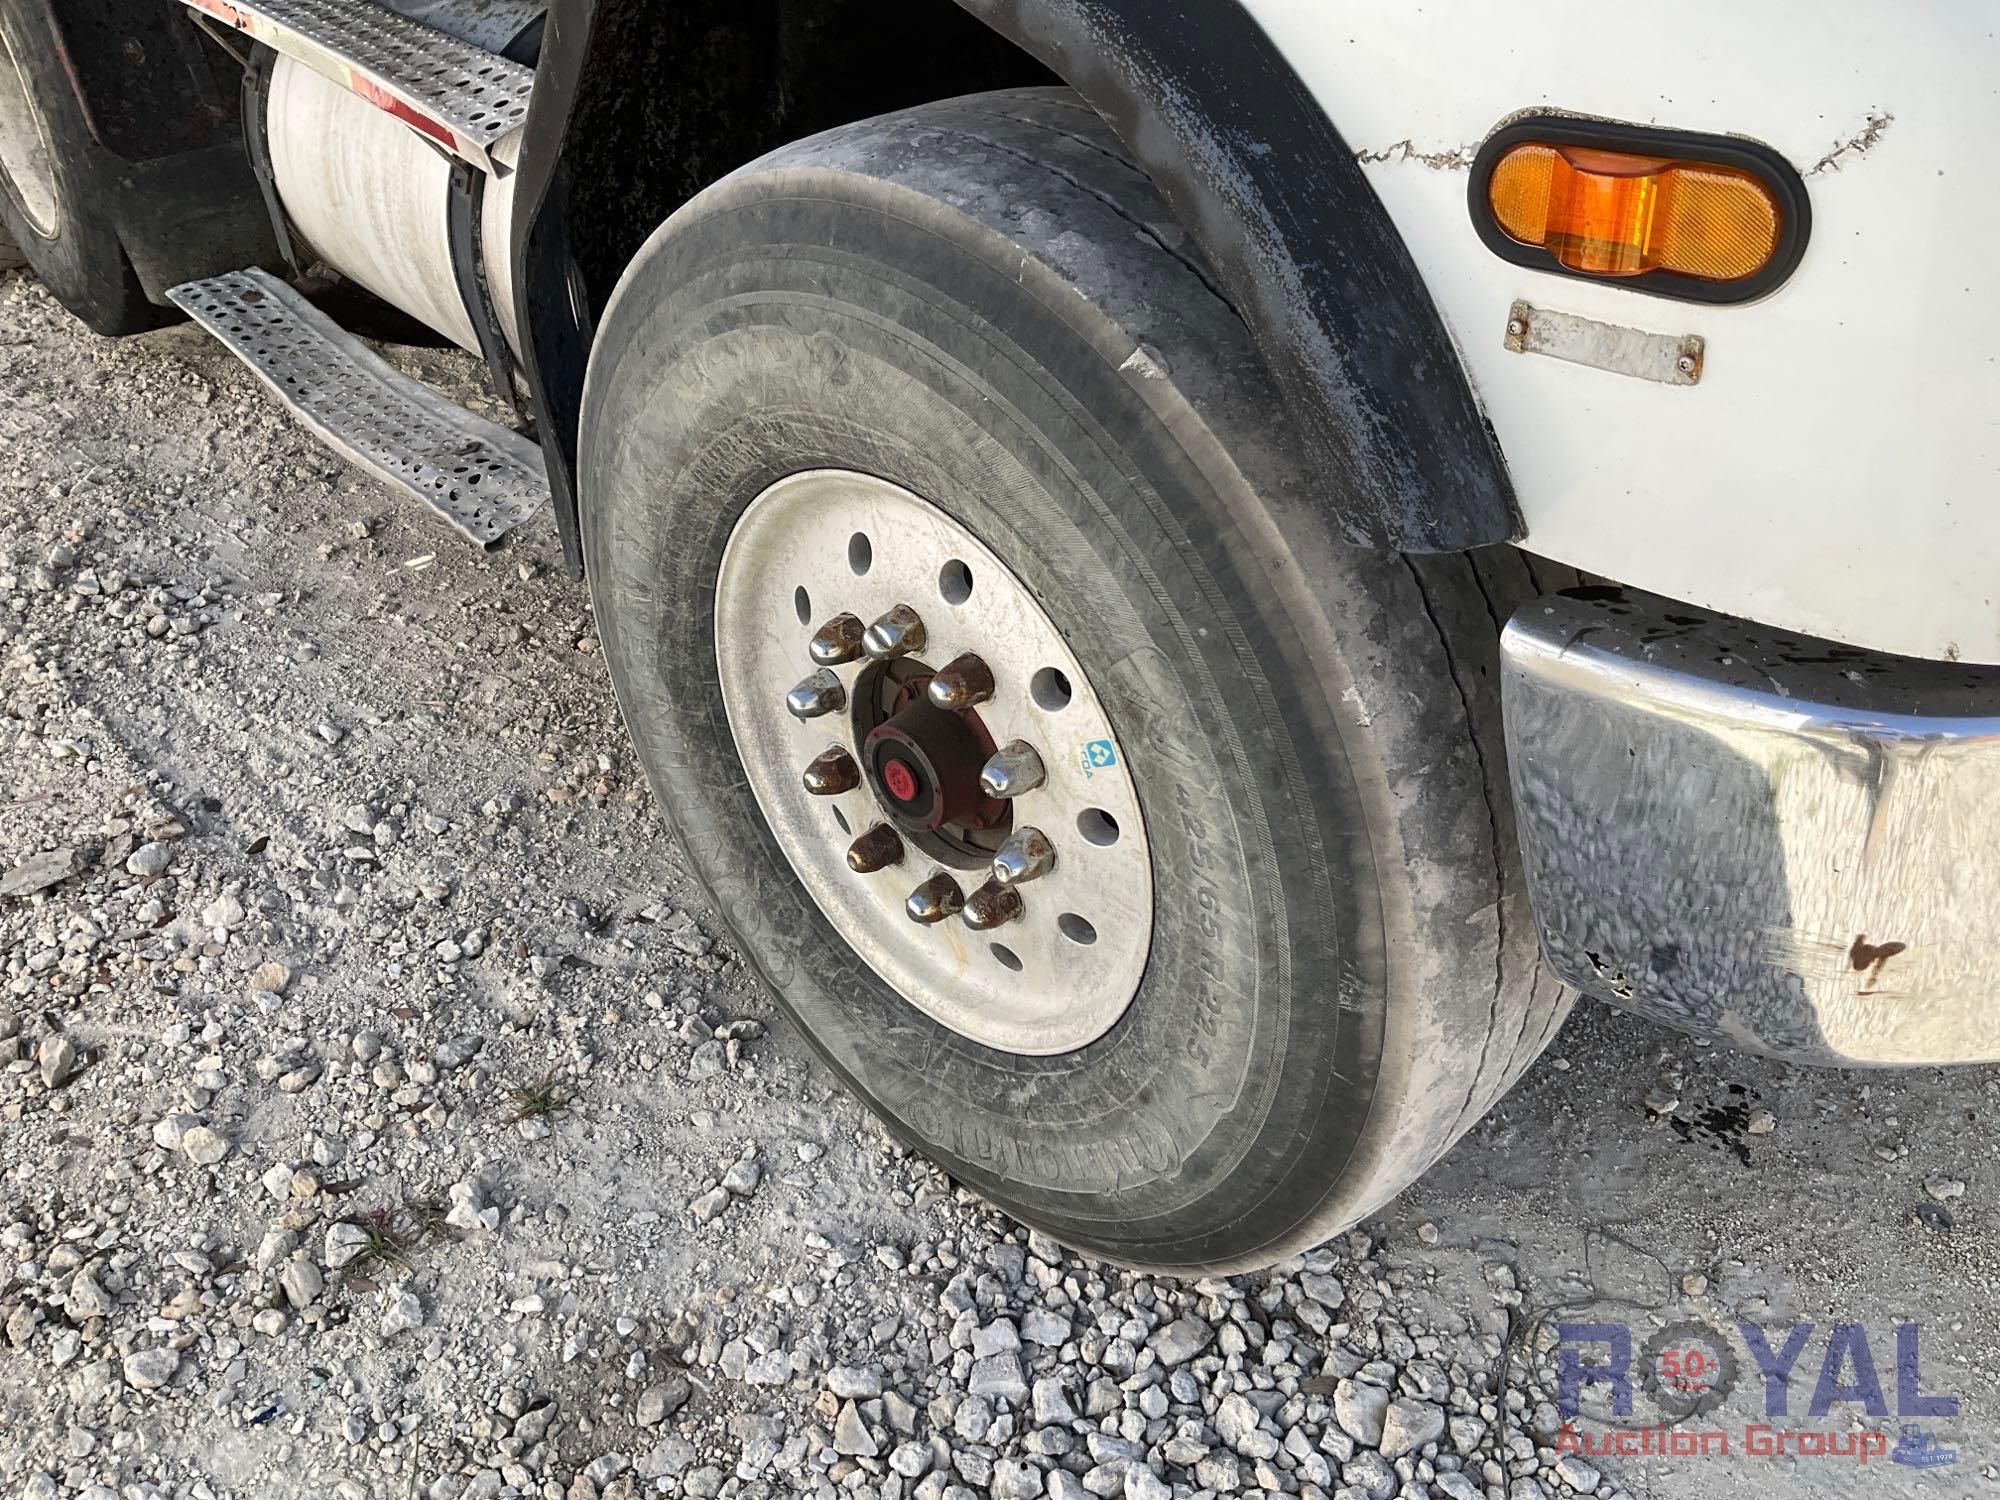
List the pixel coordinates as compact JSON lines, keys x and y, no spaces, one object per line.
{"x":1834,"y":470}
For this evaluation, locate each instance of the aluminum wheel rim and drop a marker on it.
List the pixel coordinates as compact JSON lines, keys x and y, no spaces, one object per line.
{"x":1060,"y":973}
{"x":25,"y":158}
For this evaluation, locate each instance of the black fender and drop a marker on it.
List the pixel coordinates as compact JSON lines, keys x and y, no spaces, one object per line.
{"x":1278,"y":204}
{"x":1257,"y":173}
{"x":169,"y":171}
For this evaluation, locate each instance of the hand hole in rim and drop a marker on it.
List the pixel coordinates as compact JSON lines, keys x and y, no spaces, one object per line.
{"x":955,"y":582}
{"x":841,"y":818}
{"x":860,"y":553}
{"x":802,"y":605}
{"x":1077,"y":929}
{"x":1006,"y":956}
{"x":1097,"y":827}
{"x":1050,"y":689}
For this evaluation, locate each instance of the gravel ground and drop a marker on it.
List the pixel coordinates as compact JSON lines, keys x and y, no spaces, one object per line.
{"x":383,"y":1113}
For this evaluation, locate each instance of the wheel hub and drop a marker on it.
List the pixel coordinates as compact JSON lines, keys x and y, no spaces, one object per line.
{"x":926,"y":764}
{"x":971,"y":830}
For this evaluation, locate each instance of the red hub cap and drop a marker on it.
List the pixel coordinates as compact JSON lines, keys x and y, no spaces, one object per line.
{"x":900,"y":780}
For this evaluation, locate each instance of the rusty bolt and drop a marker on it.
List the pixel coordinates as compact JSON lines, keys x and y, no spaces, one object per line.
{"x":877,"y":849}
{"x":837,"y":641}
{"x":934,"y":900}
{"x":898,"y":633}
{"x":963,"y":682}
{"x":992,"y":905}
{"x":832,"y":772}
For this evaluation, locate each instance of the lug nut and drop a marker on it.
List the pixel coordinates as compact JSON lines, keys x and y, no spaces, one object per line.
{"x":897,"y":633}
{"x":819,"y":694}
{"x":1027,"y":855}
{"x":1015,"y":768}
{"x":964,"y":682}
{"x":876,"y":849}
{"x":838,"y":640}
{"x":934,"y":900}
{"x":992,"y":905}
{"x":832,"y":772}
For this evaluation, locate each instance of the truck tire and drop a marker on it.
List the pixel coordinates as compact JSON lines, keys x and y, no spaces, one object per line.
{"x":50,"y":203}
{"x":1299,"y":964}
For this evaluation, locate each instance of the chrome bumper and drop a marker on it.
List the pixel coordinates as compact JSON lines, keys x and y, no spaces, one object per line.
{"x":1779,"y":842}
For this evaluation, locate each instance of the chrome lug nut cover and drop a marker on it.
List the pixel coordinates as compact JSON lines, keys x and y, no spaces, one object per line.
{"x":992,"y":905}
{"x":1016,"y":768}
{"x":1027,"y":855}
{"x":897,"y":633}
{"x":935,"y":900}
{"x":837,"y":641}
{"x":821,"y":693}
{"x":963,"y":682}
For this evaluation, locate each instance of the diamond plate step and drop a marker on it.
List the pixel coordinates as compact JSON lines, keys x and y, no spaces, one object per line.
{"x":463,"y":97}
{"x":484,"y":479}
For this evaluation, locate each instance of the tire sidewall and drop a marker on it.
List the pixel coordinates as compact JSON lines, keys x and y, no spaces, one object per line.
{"x":82,"y":262}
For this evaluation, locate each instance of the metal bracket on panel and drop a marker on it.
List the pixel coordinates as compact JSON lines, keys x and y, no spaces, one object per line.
{"x":1669,"y":358}
{"x":462,"y":97}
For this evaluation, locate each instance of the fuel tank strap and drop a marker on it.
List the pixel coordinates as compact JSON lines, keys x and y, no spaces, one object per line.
{"x":465,"y":219}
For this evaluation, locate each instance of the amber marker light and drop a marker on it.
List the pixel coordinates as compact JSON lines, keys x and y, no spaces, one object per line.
{"x":1706,"y":218}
